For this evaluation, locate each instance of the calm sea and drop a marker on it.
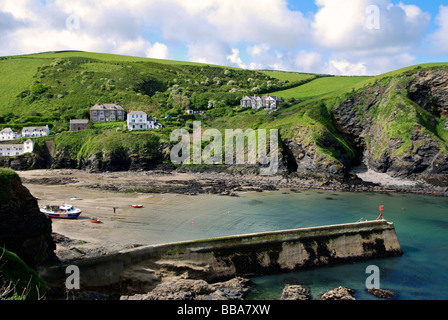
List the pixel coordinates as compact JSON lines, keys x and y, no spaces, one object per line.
{"x":421,"y":223}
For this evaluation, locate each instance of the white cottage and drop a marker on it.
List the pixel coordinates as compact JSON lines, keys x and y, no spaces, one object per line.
{"x":8,"y":134}
{"x":35,"y":131}
{"x":10,"y":150}
{"x":138,"y":120}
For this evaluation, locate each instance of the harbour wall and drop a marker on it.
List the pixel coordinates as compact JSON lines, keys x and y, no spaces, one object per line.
{"x":140,"y":269}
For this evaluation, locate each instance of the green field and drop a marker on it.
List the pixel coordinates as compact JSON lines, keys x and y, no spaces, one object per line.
{"x":16,"y":76}
{"x":321,"y":87}
{"x":289,"y":76}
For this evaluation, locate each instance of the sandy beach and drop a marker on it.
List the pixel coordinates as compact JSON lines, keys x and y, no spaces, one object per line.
{"x":59,"y":186}
{"x":168,"y":212}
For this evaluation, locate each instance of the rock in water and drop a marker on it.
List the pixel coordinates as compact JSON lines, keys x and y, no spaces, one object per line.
{"x":295,"y":292}
{"x":381,"y":293}
{"x":339,"y":293}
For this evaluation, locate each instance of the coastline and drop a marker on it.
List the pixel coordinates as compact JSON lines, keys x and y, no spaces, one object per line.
{"x":102,"y":192}
{"x":79,"y":239}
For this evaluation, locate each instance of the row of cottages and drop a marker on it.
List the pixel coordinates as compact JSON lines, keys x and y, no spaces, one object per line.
{"x":11,"y":150}
{"x":27,"y":132}
{"x":138,"y":120}
{"x":255,"y":102}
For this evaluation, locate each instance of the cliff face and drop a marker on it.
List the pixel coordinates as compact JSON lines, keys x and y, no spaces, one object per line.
{"x":24,"y":230}
{"x":398,"y":127}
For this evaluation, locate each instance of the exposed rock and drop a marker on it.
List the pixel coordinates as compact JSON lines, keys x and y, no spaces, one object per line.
{"x":295,"y":292}
{"x":381,"y":293}
{"x":24,"y":230}
{"x":188,"y":289}
{"x":382,"y":142}
{"x":430,"y":91}
{"x":339,"y":293}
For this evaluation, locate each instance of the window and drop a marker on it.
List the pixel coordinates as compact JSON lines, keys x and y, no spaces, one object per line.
{"x":94,"y":113}
{"x":119,"y":112}
{"x":94,"y":118}
{"x":101,"y":113}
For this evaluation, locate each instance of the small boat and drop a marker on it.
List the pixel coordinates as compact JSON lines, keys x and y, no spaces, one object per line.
{"x":137,"y":206}
{"x":65,"y":211}
{"x":95,"y":220}
{"x":75,"y":198}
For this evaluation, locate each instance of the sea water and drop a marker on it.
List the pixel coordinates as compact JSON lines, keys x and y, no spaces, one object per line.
{"x":421,"y":224}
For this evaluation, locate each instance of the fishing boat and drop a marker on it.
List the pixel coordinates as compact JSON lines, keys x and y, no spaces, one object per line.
{"x":137,"y":206}
{"x":65,"y":211}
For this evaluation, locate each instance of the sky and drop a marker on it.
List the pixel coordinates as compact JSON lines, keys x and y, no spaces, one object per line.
{"x":341,"y":37}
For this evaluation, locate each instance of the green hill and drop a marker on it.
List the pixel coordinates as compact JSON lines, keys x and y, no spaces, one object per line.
{"x":51,"y":88}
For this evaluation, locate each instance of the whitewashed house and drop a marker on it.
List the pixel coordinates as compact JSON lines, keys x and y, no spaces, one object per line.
{"x":8,"y":134}
{"x":138,"y":120}
{"x":10,"y":150}
{"x":35,"y":131}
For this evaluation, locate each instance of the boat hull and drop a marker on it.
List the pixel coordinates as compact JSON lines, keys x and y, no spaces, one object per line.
{"x":61,"y":212}
{"x":62,"y":215}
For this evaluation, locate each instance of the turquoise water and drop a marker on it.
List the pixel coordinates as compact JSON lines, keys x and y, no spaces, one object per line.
{"x":421,"y":223}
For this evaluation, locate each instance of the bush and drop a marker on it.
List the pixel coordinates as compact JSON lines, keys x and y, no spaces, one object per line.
{"x":17,"y":280}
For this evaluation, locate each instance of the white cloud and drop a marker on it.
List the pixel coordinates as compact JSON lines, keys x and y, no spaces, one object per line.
{"x":258,"y":49}
{"x":158,"y":51}
{"x":306,"y":61}
{"x":235,"y":59}
{"x":361,"y":65}
{"x":257,"y":34}
{"x":208,"y":52}
{"x":346,"y":24}
{"x":439,"y":38}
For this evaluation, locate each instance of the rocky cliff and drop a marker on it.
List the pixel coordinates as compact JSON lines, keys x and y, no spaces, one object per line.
{"x":397,"y":126}
{"x":24,"y":230}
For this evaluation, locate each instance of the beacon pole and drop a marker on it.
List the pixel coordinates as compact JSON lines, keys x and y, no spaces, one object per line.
{"x":381,"y":213}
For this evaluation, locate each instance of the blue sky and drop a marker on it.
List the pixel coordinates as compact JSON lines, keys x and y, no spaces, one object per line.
{"x":349,"y":37}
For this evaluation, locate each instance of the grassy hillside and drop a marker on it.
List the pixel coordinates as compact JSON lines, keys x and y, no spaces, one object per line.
{"x":55,"y":87}
{"x":51,"y":88}
{"x":321,"y":87}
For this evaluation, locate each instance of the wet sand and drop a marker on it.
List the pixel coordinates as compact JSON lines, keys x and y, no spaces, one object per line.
{"x":112,"y":234}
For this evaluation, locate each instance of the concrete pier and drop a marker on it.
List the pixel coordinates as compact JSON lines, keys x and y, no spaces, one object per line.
{"x":138,"y":270}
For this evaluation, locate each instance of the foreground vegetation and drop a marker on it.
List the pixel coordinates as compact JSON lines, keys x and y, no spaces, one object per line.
{"x":17,"y":280}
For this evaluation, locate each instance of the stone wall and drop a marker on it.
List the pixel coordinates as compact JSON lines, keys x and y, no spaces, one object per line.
{"x":140,"y":269}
